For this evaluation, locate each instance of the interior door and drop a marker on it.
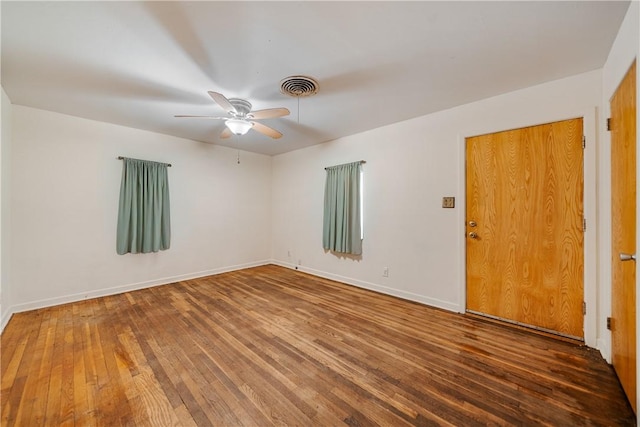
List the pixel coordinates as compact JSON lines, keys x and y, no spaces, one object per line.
{"x":623,"y":215}
{"x":524,"y":225}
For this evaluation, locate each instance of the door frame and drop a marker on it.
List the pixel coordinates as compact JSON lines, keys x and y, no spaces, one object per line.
{"x":589,"y":116}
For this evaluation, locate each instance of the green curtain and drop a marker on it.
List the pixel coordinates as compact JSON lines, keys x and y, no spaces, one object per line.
{"x":341,"y":224}
{"x":143,"y":216}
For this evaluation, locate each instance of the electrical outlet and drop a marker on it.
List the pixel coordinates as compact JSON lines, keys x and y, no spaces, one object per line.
{"x":385,"y":272}
{"x":448,"y":202}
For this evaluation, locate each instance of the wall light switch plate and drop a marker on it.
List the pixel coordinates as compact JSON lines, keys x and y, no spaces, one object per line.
{"x":448,"y":202}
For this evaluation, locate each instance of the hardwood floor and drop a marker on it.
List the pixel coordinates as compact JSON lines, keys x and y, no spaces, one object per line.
{"x":272,"y":346}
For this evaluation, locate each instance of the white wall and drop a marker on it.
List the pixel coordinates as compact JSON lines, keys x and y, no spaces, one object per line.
{"x":64,"y":200}
{"x":410,"y":166}
{"x":5,"y":191}
{"x":625,"y":49}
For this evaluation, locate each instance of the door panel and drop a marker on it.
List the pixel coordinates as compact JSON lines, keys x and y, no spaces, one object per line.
{"x":525,"y":195}
{"x":623,"y":216}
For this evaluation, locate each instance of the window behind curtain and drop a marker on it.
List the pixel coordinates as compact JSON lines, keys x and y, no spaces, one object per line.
{"x":143,"y":215}
{"x":342,"y":222}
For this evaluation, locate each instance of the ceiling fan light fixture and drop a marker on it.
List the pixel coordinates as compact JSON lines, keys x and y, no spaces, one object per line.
{"x":242,"y":118}
{"x":238,"y":126}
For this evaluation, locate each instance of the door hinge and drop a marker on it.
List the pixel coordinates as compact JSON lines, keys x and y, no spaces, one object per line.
{"x":584,"y":308}
{"x":609,"y":323}
{"x":609,"y":124}
{"x":584,"y":142}
{"x":584,"y":224}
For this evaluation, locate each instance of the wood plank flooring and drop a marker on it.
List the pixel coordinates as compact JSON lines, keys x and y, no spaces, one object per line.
{"x":272,"y":346}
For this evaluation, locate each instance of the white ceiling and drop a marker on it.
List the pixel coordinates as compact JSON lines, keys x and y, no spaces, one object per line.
{"x":138,"y":64}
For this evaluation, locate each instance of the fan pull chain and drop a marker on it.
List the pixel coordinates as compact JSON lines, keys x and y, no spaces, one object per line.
{"x":298,"y":108}
{"x":238,"y":148}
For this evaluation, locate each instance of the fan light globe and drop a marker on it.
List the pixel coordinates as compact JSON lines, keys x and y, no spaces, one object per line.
{"x":238,"y":127}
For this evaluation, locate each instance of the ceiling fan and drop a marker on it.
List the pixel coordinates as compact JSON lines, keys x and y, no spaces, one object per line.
{"x":240,"y":117}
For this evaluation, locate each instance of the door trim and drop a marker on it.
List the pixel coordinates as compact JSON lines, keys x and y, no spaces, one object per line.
{"x":589,"y":116}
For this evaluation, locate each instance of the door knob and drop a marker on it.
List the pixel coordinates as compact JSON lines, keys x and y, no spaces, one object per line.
{"x":472,"y":223}
{"x":627,"y":257}
{"x":473,"y":235}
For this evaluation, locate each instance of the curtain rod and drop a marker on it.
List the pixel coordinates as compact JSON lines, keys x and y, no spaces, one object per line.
{"x":122,"y":158}
{"x":358,"y":161}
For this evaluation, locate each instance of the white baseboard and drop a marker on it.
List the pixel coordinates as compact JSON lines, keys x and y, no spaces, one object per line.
{"x":6,"y":316}
{"x":373,"y":287}
{"x":34,"y":305}
{"x":604,"y":349}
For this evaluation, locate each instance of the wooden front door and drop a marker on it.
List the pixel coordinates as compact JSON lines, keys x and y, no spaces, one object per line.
{"x":524,"y":225}
{"x":623,"y":233}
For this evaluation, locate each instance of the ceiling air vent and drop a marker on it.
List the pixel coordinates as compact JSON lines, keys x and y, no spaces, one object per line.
{"x":298,"y":86}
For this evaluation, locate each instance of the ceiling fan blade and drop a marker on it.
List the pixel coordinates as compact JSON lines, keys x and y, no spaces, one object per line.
{"x":269,"y":113}
{"x":222,"y":101}
{"x":266,"y":130}
{"x":202,"y":117}
{"x":226,"y":133}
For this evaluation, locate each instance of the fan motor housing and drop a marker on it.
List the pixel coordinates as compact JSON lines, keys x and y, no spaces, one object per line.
{"x":242,"y":106}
